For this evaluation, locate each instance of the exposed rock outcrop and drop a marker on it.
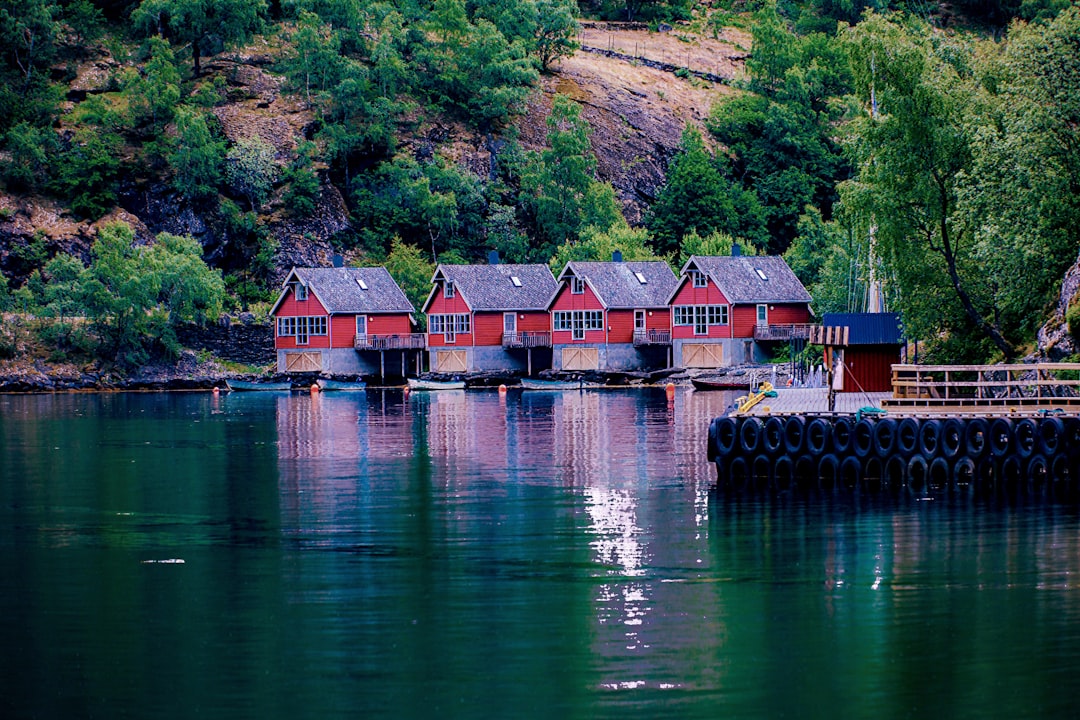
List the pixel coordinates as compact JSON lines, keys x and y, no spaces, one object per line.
{"x":1054,"y":341}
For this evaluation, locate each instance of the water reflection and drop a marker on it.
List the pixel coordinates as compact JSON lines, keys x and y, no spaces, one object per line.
{"x":470,"y":554}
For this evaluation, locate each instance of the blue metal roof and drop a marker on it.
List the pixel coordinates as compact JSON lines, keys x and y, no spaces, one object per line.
{"x":868,"y":328}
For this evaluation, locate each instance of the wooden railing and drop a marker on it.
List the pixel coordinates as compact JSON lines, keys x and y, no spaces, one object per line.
{"x":408,"y":341}
{"x":783,"y":332}
{"x":526,"y":339}
{"x":986,"y":382}
{"x":652,"y":337}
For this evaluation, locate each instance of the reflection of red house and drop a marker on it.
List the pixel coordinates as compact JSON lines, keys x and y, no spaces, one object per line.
{"x":343,"y":321}
{"x":489,"y":317}
{"x":725,"y":306}
{"x":611,"y":316}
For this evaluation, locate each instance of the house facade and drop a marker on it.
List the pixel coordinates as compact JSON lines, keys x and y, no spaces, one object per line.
{"x":489,"y":317}
{"x":612,"y":316}
{"x":344,"y":321}
{"x":726,"y":310}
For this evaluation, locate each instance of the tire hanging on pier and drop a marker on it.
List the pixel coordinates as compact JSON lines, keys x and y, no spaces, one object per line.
{"x":794,"y":433}
{"x":841,"y":436}
{"x":929,"y":439}
{"x":952,"y":438}
{"x":862,"y":438}
{"x":963,"y":475}
{"x":885,"y":437}
{"x":895,"y":471}
{"x":725,"y":435}
{"x":1026,"y":436}
{"x":851,"y":472}
{"x":772,"y":435}
{"x":976,"y":438}
{"x":1051,"y":435}
{"x":907,"y":437}
{"x":783,"y":474}
{"x":749,"y":435}
{"x":917,"y":473}
{"x":939,"y":473}
{"x":818,"y":436}
{"x":828,"y":473}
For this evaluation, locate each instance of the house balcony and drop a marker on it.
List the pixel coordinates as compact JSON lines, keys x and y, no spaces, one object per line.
{"x":526,"y":339}
{"x":651,"y":337}
{"x":408,"y":341}
{"x":791,"y":331}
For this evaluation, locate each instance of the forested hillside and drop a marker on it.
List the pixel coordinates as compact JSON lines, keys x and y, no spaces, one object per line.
{"x":165,"y":160}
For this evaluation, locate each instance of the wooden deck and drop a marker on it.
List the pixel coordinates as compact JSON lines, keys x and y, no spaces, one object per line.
{"x":815,"y":401}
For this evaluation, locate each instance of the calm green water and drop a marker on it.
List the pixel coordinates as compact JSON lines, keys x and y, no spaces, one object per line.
{"x":462,"y":555}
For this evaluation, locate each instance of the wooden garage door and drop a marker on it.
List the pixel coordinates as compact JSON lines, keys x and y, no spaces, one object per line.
{"x":702,"y":356}
{"x":580,"y":358}
{"x":303,"y":362}
{"x":451,"y":361}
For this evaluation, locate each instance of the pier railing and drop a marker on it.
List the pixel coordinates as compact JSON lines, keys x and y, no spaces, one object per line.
{"x":526,"y":339}
{"x":408,"y":341}
{"x":985,"y":384}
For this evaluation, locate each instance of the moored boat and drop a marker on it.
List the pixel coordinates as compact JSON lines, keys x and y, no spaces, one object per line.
{"x":415,"y":384}
{"x":327,"y":385}
{"x":532,"y":384}
{"x":246,"y":385}
{"x":721,"y":383}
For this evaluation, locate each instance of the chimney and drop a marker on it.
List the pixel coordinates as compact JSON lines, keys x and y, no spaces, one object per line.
{"x":616,"y":256}
{"x":337,"y":261}
{"x":736,"y":250}
{"x":493,"y":257}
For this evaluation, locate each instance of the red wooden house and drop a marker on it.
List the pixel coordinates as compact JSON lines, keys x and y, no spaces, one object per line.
{"x":344,"y":321}
{"x":489,"y":317}
{"x":612,"y":316}
{"x":725,"y":308}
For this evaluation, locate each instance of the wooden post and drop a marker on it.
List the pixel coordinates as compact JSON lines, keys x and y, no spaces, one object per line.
{"x":382,"y":365}
{"x":528,"y":362}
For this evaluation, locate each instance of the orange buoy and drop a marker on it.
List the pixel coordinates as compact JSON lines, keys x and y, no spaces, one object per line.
{"x":314,"y":387}
{"x":215,"y":390}
{"x":502,"y":389}
{"x":670,"y":388}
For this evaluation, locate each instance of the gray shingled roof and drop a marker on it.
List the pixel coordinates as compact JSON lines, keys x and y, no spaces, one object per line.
{"x":617,"y":286}
{"x":490,"y":287}
{"x":339,"y":291}
{"x":737,"y":277}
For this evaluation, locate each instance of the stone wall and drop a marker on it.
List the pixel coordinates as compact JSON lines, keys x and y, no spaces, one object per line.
{"x":251,"y":344}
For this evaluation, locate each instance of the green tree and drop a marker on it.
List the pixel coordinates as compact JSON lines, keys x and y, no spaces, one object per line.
{"x":153,"y":94}
{"x":598,"y":245}
{"x":698,"y":197}
{"x":302,"y":184}
{"x":555,"y":31}
{"x":135,"y":295}
{"x":29,"y":149}
{"x":315,"y":64}
{"x":714,"y":244}
{"x":411,"y":271}
{"x":204,"y":25}
{"x":913,"y":161}
{"x":251,"y":171}
{"x":87,"y":170}
{"x":557,"y":180}
{"x":198,"y":156}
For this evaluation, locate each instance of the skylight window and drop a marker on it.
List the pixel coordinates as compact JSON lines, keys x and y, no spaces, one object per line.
{"x":361,"y":283}
{"x":761,"y":274}
{"x":516,"y":280}
{"x":640,"y":278}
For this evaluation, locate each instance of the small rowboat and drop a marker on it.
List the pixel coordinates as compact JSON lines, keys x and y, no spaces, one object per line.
{"x":530,"y":384}
{"x":722,"y":383}
{"x":327,"y":385}
{"x":415,"y":384}
{"x":244,"y":385}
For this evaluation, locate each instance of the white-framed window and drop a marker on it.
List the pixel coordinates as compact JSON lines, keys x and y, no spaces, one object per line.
{"x":700,"y":316}
{"x":510,"y":322}
{"x":639,"y":321}
{"x":361,"y":324}
{"x":699,"y":279}
{"x":449,"y":326}
{"x":301,"y":327}
{"x":448,"y":289}
{"x":578,"y":321}
{"x":577,"y":286}
{"x":301,"y":291}
{"x":762,"y":314}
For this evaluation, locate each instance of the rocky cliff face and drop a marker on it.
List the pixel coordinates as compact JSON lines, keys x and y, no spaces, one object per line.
{"x":1054,"y":342}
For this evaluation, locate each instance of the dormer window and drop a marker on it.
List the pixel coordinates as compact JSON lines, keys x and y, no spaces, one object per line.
{"x":577,"y":286}
{"x":301,"y":291}
{"x":448,"y":289}
{"x":698,"y":278}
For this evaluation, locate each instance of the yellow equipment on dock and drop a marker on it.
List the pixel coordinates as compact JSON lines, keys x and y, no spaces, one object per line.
{"x":746,"y":402}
